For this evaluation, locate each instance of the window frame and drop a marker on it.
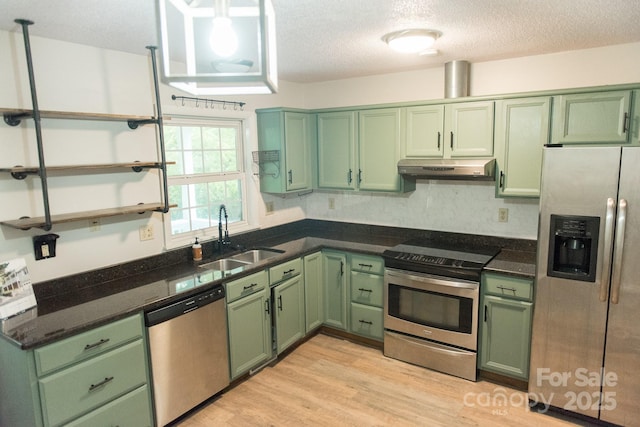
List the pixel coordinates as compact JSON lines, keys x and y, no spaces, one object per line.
{"x":208,"y":233}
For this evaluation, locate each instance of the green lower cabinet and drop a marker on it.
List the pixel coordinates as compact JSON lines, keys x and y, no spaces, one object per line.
{"x":335,"y":292}
{"x":505,"y":336}
{"x":289,"y":313}
{"x":313,"y":291}
{"x":122,"y":412}
{"x":366,"y":320}
{"x":249,"y":322}
{"x":101,"y":374}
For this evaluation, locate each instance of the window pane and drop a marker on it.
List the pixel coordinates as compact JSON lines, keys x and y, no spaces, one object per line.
{"x":211,"y":137}
{"x":198,"y":195}
{"x":212,"y":162}
{"x":179,"y":221}
{"x":197,"y":221}
{"x":193,"y":162}
{"x":229,"y":161}
{"x":191,"y":138}
{"x":178,"y":168}
{"x":179,"y":195}
{"x":172,"y":139}
{"x":216,"y":193}
{"x":228,"y":138}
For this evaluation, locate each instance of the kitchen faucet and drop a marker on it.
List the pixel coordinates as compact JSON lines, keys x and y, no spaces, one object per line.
{"x":223,"y":240}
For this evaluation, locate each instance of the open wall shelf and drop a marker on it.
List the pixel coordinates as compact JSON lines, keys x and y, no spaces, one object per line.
{"x":14,"y":117}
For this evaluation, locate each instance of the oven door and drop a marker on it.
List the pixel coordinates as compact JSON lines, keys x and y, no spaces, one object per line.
{"x":432,"y":307}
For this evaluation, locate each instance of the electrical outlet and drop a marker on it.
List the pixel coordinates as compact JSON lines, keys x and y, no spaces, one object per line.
{"x":146,"y":232}
{"x":332,"y":203}
{"x":503,"y":215}
{"x":94,"y":225}
{"x":268,"y":207}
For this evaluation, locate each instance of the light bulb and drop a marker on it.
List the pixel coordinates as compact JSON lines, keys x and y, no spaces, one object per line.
{"x":223,"y":40}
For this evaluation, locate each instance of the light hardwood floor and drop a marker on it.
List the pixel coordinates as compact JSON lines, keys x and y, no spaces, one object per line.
{"x":329,"y":381}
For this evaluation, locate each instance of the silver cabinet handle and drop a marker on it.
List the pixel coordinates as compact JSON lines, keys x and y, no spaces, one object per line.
{"x":502,"y":288}
{"x":608,"y":247}
{"x":101,"y":383}
{"x":96,"y":344}
{"x":617,"y":252}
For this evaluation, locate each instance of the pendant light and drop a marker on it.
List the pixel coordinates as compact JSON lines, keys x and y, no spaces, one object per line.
{"x":218,"y":47}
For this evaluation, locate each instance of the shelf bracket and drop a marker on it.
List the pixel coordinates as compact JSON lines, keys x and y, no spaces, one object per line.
{"x":15,"y":119}
{"x":133,"y":124}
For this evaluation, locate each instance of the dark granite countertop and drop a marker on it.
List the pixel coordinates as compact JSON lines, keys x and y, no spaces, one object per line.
{"x":515,"y":263}
{"x":77,"y":303}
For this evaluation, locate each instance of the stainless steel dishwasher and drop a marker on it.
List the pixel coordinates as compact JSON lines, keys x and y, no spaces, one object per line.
{"x":189,"y":356}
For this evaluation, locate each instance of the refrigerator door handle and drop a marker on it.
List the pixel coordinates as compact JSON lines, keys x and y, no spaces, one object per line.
{"x":619,"y":249}
{"x":608,"y":246}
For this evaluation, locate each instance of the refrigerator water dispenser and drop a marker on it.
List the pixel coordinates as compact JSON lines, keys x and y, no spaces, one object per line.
{"x":573,"y":246}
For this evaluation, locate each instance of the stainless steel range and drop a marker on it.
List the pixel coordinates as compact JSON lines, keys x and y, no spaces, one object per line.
{"x":432,"y":292}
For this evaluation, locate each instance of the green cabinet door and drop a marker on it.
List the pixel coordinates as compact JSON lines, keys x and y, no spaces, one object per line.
{"x":297,"y":129}
{"x":424,"y":131}
{"x":337,"y":150}
{"x":313,"y":291}
{"x":522,"y":130}
{"x":285,"y":141}
{"x":379,"y":149}
{"x":288,"y":305}
{"x":468,"y":129}
{"x":335,"y":295}
{"x":592,"y":118}
{"x":249,"y":321}
{"x":505,"y":336}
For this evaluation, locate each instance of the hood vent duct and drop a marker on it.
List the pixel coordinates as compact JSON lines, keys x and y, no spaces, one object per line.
{"x":462,"y":169}
{"x":456,"y":79}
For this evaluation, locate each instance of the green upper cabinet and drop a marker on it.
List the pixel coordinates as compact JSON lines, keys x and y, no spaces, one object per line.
{"x":592,"y":118}
{"x":337,"y":150}
{"x":285,"y":141}
{"x":522,"y":130}
{"x":379,"y":150}
{"x":468,"y":129}
{"x":360,"y":151}
{"x":424,"y":131}
{"x":462,"y":129}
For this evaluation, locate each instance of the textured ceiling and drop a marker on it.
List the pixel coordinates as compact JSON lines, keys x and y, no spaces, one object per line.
{"x":321,"y":40}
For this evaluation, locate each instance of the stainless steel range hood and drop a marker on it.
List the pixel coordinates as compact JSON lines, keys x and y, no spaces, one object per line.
{"x":461,"y":169}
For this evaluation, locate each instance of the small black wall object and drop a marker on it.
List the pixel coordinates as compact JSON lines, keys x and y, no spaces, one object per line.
{"x":44,"y":246}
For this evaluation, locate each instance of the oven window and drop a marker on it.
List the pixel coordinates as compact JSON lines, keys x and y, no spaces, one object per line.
{"x":433,"y":309}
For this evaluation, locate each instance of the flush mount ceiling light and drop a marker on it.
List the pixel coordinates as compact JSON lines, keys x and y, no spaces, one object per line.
{"x":218,"y":47}
{"x":411,"y":41}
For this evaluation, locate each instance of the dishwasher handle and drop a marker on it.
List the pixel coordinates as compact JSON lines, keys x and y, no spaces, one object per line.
{"x":184,"y":306}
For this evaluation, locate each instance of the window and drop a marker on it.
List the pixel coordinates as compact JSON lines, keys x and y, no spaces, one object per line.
{"x":207,"y":173}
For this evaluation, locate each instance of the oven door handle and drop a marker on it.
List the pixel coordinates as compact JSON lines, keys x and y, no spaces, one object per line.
{"x":411,"y":275}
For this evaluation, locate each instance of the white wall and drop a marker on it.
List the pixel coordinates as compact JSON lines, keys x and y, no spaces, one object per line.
{"x":79,"y":78}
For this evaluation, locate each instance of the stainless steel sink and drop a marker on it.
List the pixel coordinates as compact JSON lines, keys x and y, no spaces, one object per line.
{"x":256,"y":255}
{"x":226,"y":264}
{"x":237,"y":263}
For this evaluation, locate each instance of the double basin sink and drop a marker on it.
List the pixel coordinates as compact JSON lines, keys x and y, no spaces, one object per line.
{"x":239,"y":262}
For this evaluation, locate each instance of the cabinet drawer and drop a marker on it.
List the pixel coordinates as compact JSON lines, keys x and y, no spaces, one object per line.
{"x":284,"y":271}
{"x":92,"y":383}
{"x":367,"y":264}
{"x":130,"y":410}
{"x":366,"y":320}
{"x":508,"y":286}
{"x":366,"y":288}
{"x":88,"y":344}
{"x":246,"y":286}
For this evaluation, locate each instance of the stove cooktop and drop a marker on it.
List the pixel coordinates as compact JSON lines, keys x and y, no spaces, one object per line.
{"x":440,"y":258}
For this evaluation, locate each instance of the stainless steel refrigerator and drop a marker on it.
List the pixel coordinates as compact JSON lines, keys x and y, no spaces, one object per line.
{"x":585,"y":350}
